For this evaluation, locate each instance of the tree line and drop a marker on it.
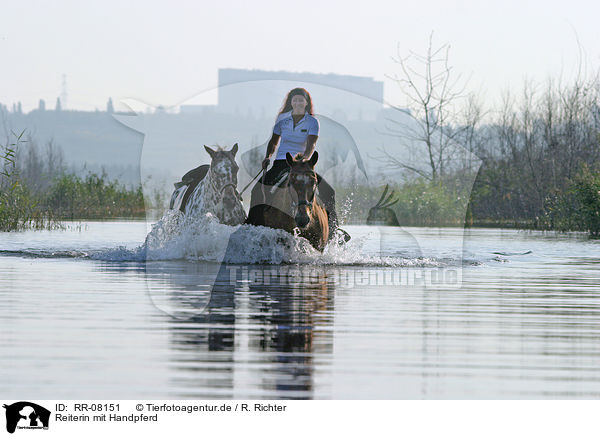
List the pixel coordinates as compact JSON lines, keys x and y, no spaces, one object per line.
{"x":37,"y":189}
{"x":538,"y":153}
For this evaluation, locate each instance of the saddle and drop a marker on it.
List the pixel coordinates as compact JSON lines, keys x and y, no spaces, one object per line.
{"x":195,"y":175}
{"x":342,"y":235}
{"x":191,"y":180}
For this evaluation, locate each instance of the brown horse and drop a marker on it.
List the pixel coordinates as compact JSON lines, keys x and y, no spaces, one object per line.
{"x":295,"y":205}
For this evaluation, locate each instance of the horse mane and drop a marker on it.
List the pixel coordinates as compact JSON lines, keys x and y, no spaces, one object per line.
{"x":299,"y":158}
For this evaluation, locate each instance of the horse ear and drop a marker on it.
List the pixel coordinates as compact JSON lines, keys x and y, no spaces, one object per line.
{"x":234,"y":149}
{"x":314,"y":158}
{"x":210,"y":151}
{"x":289,"y":159}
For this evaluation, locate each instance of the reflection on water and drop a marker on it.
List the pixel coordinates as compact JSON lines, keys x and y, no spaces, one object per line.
{"x":270,"y":328}
{"x":523,"y":325}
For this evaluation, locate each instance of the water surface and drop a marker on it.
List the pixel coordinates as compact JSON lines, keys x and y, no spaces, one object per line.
{"x":84,"y":315}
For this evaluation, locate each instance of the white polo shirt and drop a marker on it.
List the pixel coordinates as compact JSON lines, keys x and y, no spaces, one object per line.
{"x":293,"y":139}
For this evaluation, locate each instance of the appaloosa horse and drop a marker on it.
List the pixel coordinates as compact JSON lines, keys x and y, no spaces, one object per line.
{"x":211,"y":189}
{"x":293,"y":204}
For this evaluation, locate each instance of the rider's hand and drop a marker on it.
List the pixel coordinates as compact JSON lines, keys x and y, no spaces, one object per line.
{"x":265,"y":163}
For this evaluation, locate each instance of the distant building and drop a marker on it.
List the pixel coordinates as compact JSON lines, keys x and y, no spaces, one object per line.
{"x":265,"y":98}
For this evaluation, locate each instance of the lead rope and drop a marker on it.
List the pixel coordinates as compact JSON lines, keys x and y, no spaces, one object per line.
{"x":255,"y":177}
{"x":262,"y":186}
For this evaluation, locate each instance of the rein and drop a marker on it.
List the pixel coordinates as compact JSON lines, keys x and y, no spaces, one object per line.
{"x":285,"y":178}
{"x":255,"y":177}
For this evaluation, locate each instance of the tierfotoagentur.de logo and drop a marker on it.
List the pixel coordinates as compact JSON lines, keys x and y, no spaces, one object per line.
{"x":26,"y":415}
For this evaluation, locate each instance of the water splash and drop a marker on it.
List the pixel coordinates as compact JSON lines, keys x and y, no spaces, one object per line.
{"x":203,"y":238}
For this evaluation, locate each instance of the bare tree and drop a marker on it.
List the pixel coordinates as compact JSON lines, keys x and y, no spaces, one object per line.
{"x":471,"y":138}
{"x":432,"y":93}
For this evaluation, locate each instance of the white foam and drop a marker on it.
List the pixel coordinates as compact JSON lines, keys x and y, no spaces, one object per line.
{"x":203,"y":238}
{"x":120,"y":254}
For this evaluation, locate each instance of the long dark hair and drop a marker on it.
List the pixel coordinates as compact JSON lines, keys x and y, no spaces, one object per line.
{"x":287,"y":103}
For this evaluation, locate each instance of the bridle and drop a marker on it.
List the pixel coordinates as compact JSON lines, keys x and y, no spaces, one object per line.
{"x":307,"y":203}
{"x":227,"y":185}
{"x":237,"y":194}
{"x":233,"y":185}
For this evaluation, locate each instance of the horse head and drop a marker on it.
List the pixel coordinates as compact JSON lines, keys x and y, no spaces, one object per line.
{"x":223,"y":168}
{"x":302,"y":184}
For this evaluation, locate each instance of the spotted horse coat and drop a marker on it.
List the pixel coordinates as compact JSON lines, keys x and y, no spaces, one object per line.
{"x":212,"y":189}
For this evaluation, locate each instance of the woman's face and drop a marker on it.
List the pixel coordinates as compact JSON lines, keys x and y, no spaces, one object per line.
{"x":299,"y":104}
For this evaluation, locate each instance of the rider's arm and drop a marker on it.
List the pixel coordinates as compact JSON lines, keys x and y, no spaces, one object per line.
{"x":270,"y":149}
{"x":311,"y":141}
{"x":272,"y":145}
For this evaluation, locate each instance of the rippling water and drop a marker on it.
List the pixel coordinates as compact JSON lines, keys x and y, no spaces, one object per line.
{"x":399,"y":313}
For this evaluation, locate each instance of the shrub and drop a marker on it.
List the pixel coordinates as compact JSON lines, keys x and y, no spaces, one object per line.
{"x":18,"y":207}
{"x":587,"y":193}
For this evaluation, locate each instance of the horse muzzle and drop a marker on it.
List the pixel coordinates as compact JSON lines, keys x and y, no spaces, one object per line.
{"x":302,"y":221}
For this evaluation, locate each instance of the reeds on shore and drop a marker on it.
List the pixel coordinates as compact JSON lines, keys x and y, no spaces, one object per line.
{"x":37,"y":191}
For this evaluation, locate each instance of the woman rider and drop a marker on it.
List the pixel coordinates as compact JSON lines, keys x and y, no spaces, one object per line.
{"x":298,"y":130}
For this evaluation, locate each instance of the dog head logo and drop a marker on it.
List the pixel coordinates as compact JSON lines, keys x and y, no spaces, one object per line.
{"x":26,"y":415}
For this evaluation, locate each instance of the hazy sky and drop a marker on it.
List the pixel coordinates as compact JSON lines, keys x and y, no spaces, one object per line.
{"x":166,"y":52}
